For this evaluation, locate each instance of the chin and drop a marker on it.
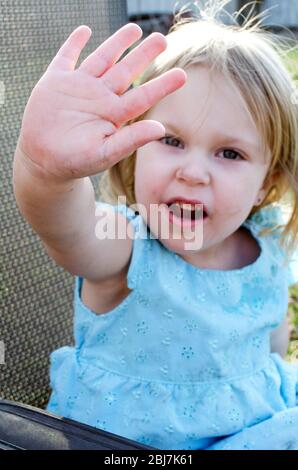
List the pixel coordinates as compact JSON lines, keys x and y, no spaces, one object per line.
{"x":181,"y":247}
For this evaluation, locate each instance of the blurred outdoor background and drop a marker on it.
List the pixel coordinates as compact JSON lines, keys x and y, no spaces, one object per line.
{"x":36,"y":311}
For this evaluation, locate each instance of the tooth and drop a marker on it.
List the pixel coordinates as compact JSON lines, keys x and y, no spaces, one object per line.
{"x":176,"y":209}
{"x":180,"y":209}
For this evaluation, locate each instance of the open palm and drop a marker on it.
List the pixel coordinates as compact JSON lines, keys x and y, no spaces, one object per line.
{"x":73,"y":124}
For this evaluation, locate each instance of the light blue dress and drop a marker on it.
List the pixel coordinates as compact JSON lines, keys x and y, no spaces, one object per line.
{"x":184,"y":361}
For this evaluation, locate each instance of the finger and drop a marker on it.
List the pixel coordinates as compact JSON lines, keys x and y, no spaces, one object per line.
{"x":120,"y":77}
{"x":111,"y":50}
{"x":68,"y":54}
{"x":127,"y":139}
{"x":138,"y":100}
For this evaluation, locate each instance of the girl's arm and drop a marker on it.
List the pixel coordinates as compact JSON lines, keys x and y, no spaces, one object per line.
{"x":63,"y":215}
{"x":73,"y":127}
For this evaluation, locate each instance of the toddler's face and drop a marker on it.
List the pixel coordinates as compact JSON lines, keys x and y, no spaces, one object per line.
{"x":212,"y":154}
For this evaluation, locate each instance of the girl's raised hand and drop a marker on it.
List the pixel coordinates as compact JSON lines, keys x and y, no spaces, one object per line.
{"x":73,"y":122}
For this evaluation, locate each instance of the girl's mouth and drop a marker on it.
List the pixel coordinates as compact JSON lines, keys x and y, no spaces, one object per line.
{"x":186,"y":214}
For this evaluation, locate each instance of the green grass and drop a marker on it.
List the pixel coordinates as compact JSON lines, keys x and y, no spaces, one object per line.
{"x":293,"y":321}
{"x":292,"y":64}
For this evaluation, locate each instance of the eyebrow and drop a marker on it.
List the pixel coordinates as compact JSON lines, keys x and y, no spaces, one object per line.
{"x":238,"y":141}
{"x":222,"y":137}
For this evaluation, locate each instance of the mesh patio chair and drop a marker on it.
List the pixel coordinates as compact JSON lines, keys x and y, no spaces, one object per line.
{"x":36,"y":296}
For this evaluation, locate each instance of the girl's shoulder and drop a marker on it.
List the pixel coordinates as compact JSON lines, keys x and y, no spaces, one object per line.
{"x":147,"y":252}
{"x":268,"y":217}
{"x":267,"y":225}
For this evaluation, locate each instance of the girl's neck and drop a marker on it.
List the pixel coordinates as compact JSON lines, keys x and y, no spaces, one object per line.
{"x":239,"y":250}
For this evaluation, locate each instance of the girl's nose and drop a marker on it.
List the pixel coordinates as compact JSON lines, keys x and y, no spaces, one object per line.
{"x":194,"y":171}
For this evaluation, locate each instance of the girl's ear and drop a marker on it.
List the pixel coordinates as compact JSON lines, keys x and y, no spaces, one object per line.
{"x":264,"y":190}
{"x":260,"y":197}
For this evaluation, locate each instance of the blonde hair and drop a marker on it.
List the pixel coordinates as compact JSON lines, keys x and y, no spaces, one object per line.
{"x":255,"y":60}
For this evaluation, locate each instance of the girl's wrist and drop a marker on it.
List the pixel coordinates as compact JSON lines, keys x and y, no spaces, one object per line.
{"x":39,"y":174}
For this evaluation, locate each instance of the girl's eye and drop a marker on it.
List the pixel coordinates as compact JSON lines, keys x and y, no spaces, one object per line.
{"x":231,"y":154}
{"x":173,"y":141}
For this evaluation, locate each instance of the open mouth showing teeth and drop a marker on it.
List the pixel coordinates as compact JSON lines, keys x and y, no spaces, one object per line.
{"x":187,"y":211}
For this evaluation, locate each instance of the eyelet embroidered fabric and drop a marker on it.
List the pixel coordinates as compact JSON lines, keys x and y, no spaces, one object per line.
{"x":184,"y":361}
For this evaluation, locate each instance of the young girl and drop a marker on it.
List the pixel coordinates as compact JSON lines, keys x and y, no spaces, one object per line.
{"x":172,"y":342}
